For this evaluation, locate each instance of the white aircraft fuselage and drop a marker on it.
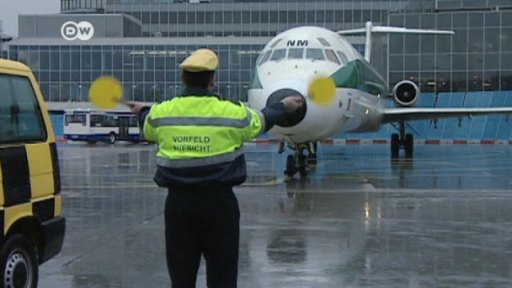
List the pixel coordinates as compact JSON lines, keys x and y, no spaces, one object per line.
{"x":293,"y":59}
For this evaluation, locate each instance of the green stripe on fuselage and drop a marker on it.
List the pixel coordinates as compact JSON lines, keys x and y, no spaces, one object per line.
{"x":358,"y":74}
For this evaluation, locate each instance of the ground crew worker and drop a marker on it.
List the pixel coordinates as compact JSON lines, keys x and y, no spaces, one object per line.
{"x":199,"y":160}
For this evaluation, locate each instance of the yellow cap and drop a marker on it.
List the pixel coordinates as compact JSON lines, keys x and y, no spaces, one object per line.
{"x":200,"y":60}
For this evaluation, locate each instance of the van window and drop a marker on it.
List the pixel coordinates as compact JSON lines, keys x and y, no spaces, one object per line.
{"x":75,"y":118}
{"x":20,"y":116}
{"x":104,"y":121}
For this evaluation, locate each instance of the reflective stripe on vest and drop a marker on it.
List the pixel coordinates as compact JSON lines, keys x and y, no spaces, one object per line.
{"x":194,"y":162}
{"x":201,"y":121}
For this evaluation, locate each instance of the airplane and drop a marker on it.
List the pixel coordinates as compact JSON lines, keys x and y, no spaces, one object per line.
{"x":298,"y":59}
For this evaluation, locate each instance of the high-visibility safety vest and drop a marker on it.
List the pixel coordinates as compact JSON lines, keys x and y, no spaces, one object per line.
{"x":194,"y":131}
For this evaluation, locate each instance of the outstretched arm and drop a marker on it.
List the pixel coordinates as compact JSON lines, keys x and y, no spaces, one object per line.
{"x":139,"y":109}
{"x":279,"y":111}
{"x":142,"y":112}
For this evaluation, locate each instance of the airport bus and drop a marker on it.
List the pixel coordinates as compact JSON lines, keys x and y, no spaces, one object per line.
{"x":93,"y":126}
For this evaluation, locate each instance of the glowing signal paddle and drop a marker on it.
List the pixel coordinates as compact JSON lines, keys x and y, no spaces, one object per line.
{"x":106,"y":92}
{"x":322,"y":90}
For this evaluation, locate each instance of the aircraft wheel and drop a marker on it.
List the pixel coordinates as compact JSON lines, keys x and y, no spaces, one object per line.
{"x":290,"y":166}
{"x":409,"y":145}
{"x":312,"y":159}
{"x":302,"y":166}
{"x":395,"y":145}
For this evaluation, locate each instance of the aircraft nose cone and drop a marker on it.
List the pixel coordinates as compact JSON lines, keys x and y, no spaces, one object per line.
{"x":291,"y":119}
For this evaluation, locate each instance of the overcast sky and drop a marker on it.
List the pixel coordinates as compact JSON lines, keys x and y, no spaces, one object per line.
{"x":10,"y":9}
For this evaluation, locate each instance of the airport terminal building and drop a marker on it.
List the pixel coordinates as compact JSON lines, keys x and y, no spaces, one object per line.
{"x":141,"y":42}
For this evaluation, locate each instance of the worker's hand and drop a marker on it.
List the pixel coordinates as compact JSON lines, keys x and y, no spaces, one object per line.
{"x":134,"y":106}
{"x":292,"y":103}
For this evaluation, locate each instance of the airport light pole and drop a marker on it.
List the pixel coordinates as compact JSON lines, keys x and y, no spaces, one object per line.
{"x":1,"y":40}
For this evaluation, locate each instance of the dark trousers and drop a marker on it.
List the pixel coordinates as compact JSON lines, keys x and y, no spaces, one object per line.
{"x":202,"y":223}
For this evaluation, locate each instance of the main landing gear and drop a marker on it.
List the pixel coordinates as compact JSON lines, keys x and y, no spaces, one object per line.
{"x":298,"y":162}
{"x":402,"y":140}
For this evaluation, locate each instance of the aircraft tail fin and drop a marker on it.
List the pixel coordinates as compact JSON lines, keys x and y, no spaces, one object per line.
{"x":369,"y":29}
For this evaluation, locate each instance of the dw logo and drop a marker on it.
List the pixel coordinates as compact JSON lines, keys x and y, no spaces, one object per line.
{"x":71,"y":30}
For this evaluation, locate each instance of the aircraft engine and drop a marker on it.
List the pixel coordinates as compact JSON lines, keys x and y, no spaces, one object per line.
{"x":406,"y":93}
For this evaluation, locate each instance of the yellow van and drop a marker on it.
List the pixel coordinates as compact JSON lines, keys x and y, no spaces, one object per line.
{"x":31,"y":223}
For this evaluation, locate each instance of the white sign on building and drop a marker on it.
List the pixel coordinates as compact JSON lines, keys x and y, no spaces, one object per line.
{"x":81,"y":31}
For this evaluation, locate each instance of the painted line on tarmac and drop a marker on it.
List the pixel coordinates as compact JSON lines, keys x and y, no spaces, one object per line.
{"x":110,"y":175}
{"x":105,"y":187}
{"x":398,"y":191}
{"x":275,"y":181}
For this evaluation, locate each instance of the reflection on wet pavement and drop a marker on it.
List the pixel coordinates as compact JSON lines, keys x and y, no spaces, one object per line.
{"x":441,"y":219}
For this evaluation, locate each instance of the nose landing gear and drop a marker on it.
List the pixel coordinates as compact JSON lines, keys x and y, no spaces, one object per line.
{"x":299,"y":162}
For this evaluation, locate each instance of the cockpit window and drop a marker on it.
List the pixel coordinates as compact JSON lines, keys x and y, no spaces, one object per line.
{"x":314,"y":54}
{"x":275,"y":43}
{"x":295,"y":53}
{"x":331,"y":56}
{"x":324,"y":42}
{"x":278,"y":55}
{"x":265,"y":57}
{"x":342,"y":56}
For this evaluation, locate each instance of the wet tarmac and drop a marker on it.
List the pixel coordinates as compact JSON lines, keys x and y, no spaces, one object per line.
{"x":441,"y":219}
